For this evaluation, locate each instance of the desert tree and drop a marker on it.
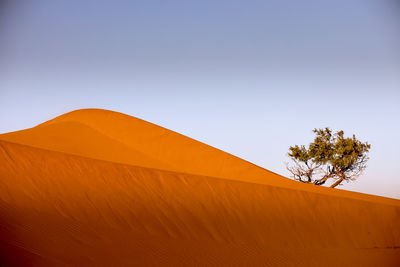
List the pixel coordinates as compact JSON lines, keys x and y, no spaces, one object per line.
{"x":329,"y":156}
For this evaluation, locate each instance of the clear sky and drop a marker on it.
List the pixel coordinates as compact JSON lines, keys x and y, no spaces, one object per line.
{"x":248,"y":77}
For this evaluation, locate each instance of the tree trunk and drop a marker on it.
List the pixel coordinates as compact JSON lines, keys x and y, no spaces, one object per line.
{"x":337,"y":182}
{"x":321,"y":181}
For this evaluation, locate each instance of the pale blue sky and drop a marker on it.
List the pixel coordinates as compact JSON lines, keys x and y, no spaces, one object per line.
{"x":248,"y":77}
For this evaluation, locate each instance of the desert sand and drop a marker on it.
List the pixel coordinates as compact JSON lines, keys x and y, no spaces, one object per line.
{"x":100,"y":188}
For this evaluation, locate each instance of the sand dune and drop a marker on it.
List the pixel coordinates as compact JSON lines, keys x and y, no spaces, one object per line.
{"x":99,"y":188}
{"x":116,"y":137}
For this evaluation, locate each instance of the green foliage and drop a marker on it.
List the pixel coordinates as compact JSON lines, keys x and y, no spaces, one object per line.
{"x":330,"y":154}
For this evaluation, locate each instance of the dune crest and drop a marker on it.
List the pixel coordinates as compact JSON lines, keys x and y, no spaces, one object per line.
{"x":166,"y":147}
{"x":100,"y":134}
{"x":99,"y":188}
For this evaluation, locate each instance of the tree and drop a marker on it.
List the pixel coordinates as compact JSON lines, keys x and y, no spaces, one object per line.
{"x":329,"y":156}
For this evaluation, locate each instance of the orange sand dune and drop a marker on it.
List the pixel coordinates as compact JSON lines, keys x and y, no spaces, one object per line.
{"x":70,"y":133}
{"x":100,"y":134}
{"x":99,"y":188}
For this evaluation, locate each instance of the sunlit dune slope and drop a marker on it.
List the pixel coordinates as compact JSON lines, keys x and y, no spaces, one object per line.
{"x":73,"y":131}
{"x":80,"y":139}
{"x":58,"y":209}
{"x":116,"y":137}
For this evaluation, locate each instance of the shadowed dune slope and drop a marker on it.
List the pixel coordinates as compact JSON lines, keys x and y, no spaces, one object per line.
{"x":116,"y":137}
{"x":58,"y":209}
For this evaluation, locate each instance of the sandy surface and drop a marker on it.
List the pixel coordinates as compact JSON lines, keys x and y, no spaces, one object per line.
{"x":99,"y":188}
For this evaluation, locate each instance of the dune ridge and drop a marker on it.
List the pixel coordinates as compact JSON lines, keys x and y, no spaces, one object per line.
{"x":180,"y":152}
{"x":64,"y":201}
{"x":92,"y":132}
